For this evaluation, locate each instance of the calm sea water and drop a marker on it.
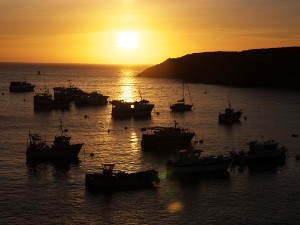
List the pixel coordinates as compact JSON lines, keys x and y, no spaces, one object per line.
{"x":51,"y":193}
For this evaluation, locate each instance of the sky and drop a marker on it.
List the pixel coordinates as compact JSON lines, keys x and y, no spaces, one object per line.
{"x":141,"y":31}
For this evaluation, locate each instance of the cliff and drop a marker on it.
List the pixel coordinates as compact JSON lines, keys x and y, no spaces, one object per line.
{"x":273,"y":67}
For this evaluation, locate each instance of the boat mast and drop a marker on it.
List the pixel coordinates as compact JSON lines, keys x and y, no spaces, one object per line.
{"x":189,"y":93}
{"x":140,"y":94}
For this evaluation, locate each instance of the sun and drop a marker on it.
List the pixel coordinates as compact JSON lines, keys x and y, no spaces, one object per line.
{"x":128,"y":39}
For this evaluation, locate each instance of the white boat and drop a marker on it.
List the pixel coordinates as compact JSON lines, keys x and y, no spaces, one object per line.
{"x":181,"y":106}
{"x":191,"y":161}
{"x":261,"y":151}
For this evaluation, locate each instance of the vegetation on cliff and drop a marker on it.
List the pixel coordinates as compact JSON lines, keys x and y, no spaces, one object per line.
{"x":273,"y":67}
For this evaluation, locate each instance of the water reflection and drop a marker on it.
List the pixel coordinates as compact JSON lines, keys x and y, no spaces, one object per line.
{"x":37,"y":167}
{"x":134,"y":141}
{"x":126,"y":83}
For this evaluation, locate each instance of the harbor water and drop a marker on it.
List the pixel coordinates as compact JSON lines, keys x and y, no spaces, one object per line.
{"x":54,"y":193}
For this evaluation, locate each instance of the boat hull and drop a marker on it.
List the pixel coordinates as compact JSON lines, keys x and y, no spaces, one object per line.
{"x":181,"y":107}
{"x":135,"y":112}
{"x":50,"y":153}
{"x":272,"y":157}
{"x":121,"y":180}
{"x":232,"y":118}
{"x":150,"y":141}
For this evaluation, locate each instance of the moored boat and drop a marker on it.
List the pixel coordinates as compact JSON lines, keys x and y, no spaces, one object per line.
{"x":191,"y":161}
{"x":61,"y":148}
{"x":140,"y":108}
{"x":67,"y":93}
{"x":260,"y":152}
{"x":91,"y":99}
{"x":166,"y":138}
{"x":109,"y":180}
{"x":44,"y":101}
{"x":230,"y":115}
{"x":180,"y":105}
{"x":21,"y":86}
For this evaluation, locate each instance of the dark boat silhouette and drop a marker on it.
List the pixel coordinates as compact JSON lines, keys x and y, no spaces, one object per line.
{"x":181,"y":106}
{"x":21,"y":86}
{"x":166,"y":138}
{"x":109,"y":180}
{"x":230,"y":115}
{"x":61,"y":148}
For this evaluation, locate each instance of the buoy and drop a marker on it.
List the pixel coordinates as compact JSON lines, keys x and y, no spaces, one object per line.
{"x":2,"y":93}
{"x":294,"y":135}
{"x":245,"y":117}
{"x":85,"y":116}
{"x":92,"y":154}
{"x":125,"y":128}
{"x":205,"y":92}
{"x":201,"y":141}
{"x":24,"y":99}
{"x":38,"y":72}
{"x":157,"y":113}
{"x":108,"y":131}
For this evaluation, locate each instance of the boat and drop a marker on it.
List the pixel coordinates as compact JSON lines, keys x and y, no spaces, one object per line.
{"x":21,"y":86}
{"x":61,"y":148}
{"x":181,"y":106}
{"x":191,"y":161}
{"x":109,"y":180}
{"x":260,"y":151}
{"x":67,"y":93}
{"x":44,"y":101}
{"x":91,"y":99}
{"x":230,"y":115}
{"x":166,"y":138}
{"x":140,"y":108}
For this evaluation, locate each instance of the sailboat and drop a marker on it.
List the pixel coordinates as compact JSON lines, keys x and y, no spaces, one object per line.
{"x":181,"y":106}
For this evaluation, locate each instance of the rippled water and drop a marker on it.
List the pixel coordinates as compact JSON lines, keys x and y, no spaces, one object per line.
{"x":51,"y":193}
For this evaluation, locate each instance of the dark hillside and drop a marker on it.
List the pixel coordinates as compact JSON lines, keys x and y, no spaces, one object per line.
{"x":274,"y":67}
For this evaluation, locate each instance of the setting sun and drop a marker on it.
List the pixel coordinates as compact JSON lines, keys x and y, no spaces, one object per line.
{"x":128,"y":39}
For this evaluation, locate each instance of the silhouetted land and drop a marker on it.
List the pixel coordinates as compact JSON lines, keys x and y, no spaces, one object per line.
{"x":274,"y":67}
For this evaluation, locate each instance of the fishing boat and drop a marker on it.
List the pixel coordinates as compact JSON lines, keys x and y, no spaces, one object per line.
{"x":67,"y":93}
{"x":91,"y":99}
{"x":260,"y":151}
{"x":191,"y":161}
{"x":44,"y":101}
{"x":166,"y":138}
{"x":108,"y":180}
{"x":61,"y":148}
{"x":230,"y":115}
{"x":21,"y":86}
{"x":180,"y":105}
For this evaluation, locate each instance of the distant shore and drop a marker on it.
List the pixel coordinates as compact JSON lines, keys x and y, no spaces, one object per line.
{"x":272,"y":67}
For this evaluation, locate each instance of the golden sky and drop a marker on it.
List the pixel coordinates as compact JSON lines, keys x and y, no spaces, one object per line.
{"x":141,"y":31}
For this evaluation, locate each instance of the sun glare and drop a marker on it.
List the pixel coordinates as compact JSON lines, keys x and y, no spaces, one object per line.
{"x":128,"y":39}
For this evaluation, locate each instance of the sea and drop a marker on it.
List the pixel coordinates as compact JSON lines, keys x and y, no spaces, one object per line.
{"x":54,"y":192}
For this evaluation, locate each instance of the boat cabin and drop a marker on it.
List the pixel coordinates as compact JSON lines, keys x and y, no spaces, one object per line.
{"x":108,"y":168}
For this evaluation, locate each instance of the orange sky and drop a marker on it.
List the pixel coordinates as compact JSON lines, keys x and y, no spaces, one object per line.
{"x":73,"y":31}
